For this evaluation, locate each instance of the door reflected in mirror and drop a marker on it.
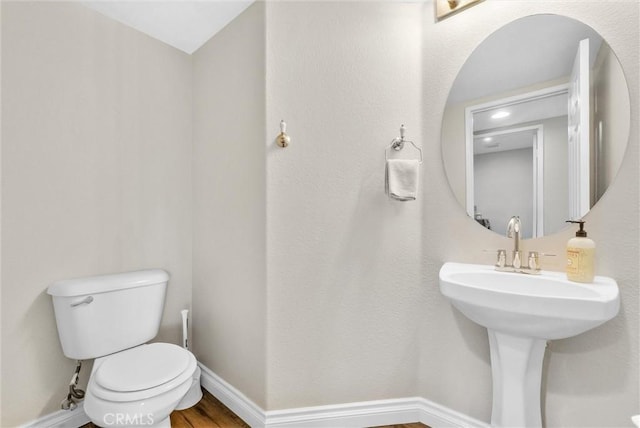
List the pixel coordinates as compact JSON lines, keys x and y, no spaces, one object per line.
{"x":536,"y":125}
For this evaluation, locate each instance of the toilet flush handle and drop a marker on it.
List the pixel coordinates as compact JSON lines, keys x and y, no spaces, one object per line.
{"x":86,"y":300}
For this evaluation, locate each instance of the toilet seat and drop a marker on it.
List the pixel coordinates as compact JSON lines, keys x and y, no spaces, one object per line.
{"x":142,"y":367}
{"x":142,"y":372}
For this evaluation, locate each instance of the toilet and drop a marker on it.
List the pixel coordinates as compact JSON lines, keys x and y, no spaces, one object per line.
{"x":111,"y":318}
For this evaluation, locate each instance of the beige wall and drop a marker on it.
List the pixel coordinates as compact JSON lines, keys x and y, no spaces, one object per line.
{"x":347,"y":279}
{"x":310,"y":287}
{"x":96,"y":178}
{"x":344,"y":262}
{"x":592,"y":379}
{"x":229,"y":288}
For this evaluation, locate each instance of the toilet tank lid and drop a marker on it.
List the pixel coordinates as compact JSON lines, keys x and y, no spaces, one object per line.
{"x":105,"y":283}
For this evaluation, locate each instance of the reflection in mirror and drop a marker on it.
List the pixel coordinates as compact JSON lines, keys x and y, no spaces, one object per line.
{"x":536,"y":125}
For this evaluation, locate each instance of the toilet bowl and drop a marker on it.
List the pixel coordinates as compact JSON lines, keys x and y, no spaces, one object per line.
{"x":194,"y":395}
{"x":140,"y":386}
{"x":110,"y":318}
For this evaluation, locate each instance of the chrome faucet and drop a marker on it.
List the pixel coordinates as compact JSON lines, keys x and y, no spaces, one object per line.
{"x":533,"y":263}
{"x":513,"y":231}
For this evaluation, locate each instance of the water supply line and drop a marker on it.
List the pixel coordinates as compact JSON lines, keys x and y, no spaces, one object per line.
{"x":75,"y":393}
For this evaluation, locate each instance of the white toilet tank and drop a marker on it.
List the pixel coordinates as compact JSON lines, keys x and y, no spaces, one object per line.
{"x":100,"y":315}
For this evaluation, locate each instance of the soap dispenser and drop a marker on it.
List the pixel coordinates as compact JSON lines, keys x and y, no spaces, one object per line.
{"x":580,"y":255}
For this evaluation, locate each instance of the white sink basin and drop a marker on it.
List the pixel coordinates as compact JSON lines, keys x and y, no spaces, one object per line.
{"x":521,"y":312}
{"x":545,"y":306}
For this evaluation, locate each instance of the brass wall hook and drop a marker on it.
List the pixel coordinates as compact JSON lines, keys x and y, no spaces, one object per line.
{"x":283,"y":139}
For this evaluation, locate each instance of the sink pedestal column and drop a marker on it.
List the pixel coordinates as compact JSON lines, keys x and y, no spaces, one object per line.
{"x":516,"y":368}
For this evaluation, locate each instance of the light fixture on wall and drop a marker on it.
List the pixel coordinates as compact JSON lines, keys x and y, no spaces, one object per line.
{"x":445,"y":8}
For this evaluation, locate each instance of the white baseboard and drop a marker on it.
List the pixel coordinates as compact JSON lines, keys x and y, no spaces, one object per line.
{"x":61,"y":419}
{"x":349,"y":415}
{"x":235,"y":400}
{"x":437,"y":416}
{"x":361,"y":414}
{"x":372,"y":413}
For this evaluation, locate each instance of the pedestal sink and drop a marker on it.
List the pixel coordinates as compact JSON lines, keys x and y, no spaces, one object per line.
{"x":521,"y":312}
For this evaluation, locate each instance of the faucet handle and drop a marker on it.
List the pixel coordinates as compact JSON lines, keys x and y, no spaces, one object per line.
{"x":534,"y":260}
{"x":502,"y":259}
{"x":516,"y":261}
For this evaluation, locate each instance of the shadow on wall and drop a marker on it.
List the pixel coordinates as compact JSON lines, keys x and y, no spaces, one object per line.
{"x":474,"y":335}
{"x":562,"y":355}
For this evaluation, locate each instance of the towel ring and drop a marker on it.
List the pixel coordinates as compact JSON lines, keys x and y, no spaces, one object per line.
{"x":397,"y":144}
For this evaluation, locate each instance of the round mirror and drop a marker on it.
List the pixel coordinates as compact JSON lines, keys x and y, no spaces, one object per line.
{"x":536,"y":125}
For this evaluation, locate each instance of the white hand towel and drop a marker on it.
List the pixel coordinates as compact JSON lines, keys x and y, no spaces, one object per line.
{"x":401,"y":179}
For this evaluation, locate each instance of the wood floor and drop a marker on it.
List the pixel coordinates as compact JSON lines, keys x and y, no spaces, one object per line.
{"x":414,"y":425}
{"x":211,"y":413}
